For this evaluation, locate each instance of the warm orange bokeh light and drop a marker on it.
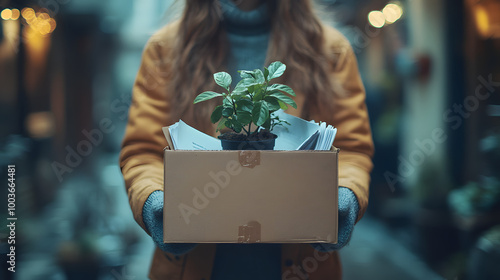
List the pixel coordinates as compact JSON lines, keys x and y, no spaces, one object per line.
{"x":40,"y":22}
{"x":44,"y":27}
{"x":53,"y":24}
{"x":15,"y":14}
{"x":28,"y":13}
{"x":482,"y":20}
{"x":6,"y":14}
{"x":43,"y":16}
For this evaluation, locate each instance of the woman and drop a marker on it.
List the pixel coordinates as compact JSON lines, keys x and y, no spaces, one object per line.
{"x":177,"y":64}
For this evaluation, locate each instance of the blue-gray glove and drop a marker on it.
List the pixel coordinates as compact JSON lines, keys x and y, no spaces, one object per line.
{"x":348,"y":213}
{"x":152,"y":215}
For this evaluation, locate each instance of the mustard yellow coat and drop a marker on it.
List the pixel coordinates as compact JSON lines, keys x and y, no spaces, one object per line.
{"x":141,"y":158}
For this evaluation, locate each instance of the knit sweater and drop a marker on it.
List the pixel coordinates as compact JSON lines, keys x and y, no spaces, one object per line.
{"x":248,"y":34}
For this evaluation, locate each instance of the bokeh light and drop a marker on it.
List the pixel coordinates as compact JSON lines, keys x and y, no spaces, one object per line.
{"x":40,"y":22}
{"x":392,"y":12}
{"x":376,"y":19}
{"x":15,"y":14}
{"x":27,"y":13}
{"x":6,"y":14}
{"x":482,"y":20}
{"x":53,"y":24}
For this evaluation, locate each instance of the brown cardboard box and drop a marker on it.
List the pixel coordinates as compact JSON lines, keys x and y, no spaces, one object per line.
{"x":250,"y":196}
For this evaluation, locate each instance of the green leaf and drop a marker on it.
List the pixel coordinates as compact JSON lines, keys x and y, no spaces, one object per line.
{"x":276,"y":69}
{"x":227,"y":103}
{"x":207,"y":95}
{"x":281,"y":87}
{"x":228,"y":124}
{"x":223,"y":79}
{"x":259,"y":76}
{"x":259,"y":92}
{"x":221,"y":125}
{"x":236,"y":126}
{"x":237,"y":95}
{"x":239,"y":91}
{"x":244,"y":117}
{"x":260,"y":113}
{"x":246,"y":74}
{"x":216,"y":114}
{"x":266,"y":73}
{"x":227,"y":112}
{"x":267,"y":124}
{"x":244,"y":105}
{"x":244,"y":84}
{"x":272,"y":103}
{"x":285,"y":98}
{"x":283,"y":105}
{"x":251,"y":89}
{"x":275,"y":121}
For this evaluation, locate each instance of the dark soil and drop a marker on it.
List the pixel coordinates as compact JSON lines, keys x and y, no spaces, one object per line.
{"x":261,"y":135}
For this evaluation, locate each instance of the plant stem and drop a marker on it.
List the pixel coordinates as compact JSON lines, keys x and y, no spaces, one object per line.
{"x":249,"y":128}
{"x":235,"y":113}
{"x":234,"y":106}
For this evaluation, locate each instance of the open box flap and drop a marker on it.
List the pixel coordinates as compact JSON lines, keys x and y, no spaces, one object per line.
{"x":166,"y":132}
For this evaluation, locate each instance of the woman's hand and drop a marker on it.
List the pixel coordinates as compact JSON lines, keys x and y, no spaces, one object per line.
{"x":152,"y":215}
{"x":348,"y":213}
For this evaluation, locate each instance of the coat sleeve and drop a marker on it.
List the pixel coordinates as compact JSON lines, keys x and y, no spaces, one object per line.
{"x":350,"y":116}
{"x":141,"y":157}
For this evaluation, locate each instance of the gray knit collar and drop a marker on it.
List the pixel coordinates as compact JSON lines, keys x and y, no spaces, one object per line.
{"x":240,"y":22}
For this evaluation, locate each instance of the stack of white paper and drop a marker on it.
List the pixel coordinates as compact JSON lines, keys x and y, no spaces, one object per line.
{"x":326,"y":136}
{"x":299,"y":135}
{"x":185,"y":137}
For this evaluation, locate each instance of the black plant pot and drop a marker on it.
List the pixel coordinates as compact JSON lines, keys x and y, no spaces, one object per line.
{"x":267,"y":144}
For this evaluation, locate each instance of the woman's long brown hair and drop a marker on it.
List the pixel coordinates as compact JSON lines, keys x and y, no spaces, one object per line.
{"x":201,"y":48}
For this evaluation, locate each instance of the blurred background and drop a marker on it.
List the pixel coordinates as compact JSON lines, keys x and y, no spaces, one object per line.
{"x":431,"y":69}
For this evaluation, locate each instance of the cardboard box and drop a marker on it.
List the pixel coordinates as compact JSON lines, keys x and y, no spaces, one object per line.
{"x":250,"y":196}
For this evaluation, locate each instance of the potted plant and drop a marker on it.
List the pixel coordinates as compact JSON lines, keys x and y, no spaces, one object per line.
{"x":247,"y":109}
